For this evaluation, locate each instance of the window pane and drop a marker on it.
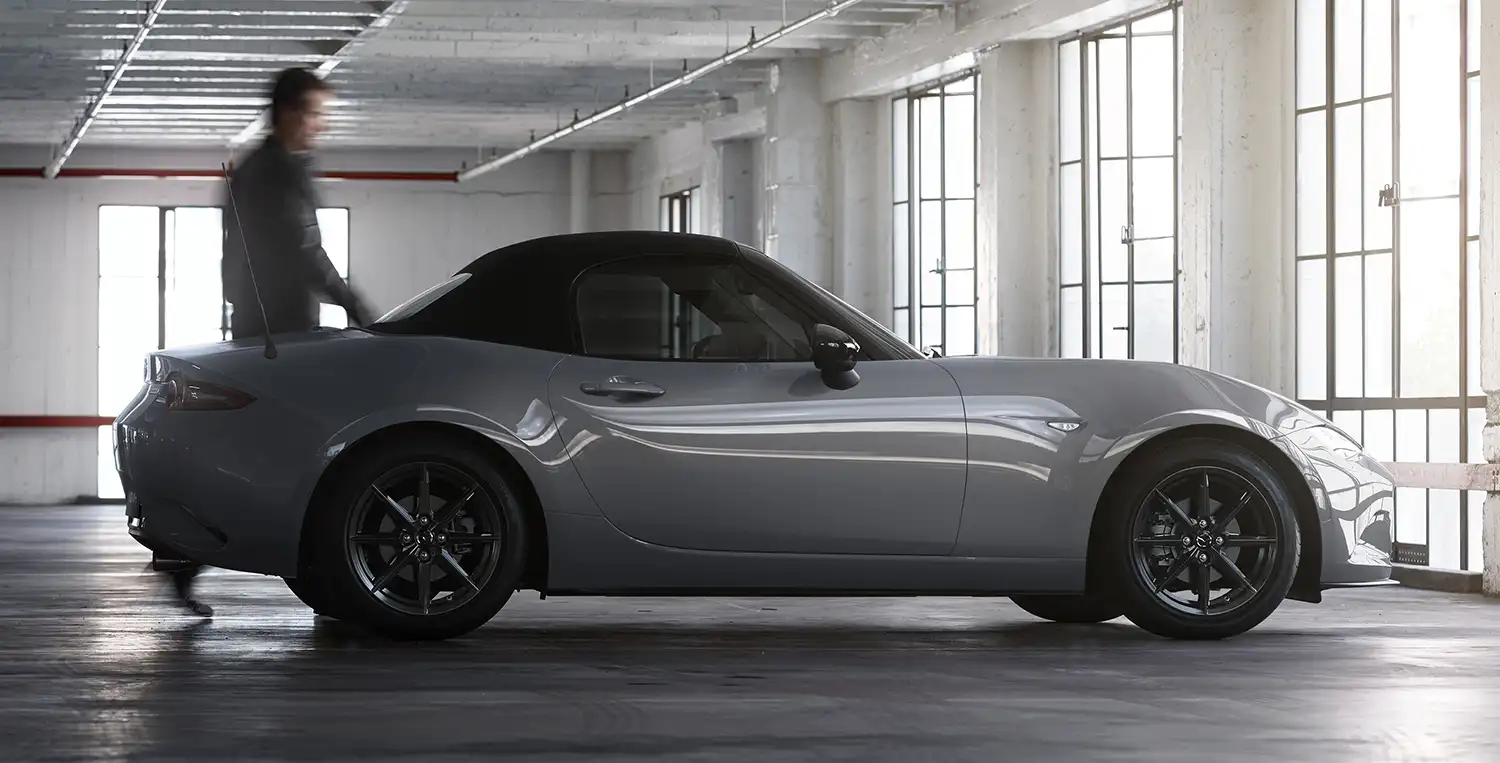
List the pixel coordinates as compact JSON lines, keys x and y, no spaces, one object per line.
{"x":930,"y":141}
{"x":900,"y":159}
{"x":1113,"y":207}
{"x":1348,"y":191}
{"x":1348,"y":328}
{"x":901,"y":324}
{"x":129,"y":241}
{"x":1411,"y":435}
{"x":1312,"y":317}
{"x":1156,"y":22}
{"x":1475,"y":16}
{"x":1348,"y":39}
{"x":1472,"y":178}
{"x":965,"y":85}
{"x":194,"y":294}
{"x":1071,"y":323}
{"x":960,"y":337}
{"x":1429,"y":298}
{"x":1472,"y":325}
{"x":332,"y":316}
{"x":1429,"y":85}
{"x":1155,"y":338}
{"x":1155,"y":260}
{"x":1071,"y":234}
{"x":960,"y":287}
{"x":958,"y":158}
{"x":1153,"y":104}
{"x":1377,"y":47}
{"x":1114,"y":309}
{"x":1411,"y":515}
{"x":333,"y":224}
{"x":1070,"y":93}
{"x":1379,"y":342}
{"x":900,"y":244}
{"x":1379,"y":167}
{"x":1111,"y":79}
{"x":959,"y":234}
{"x":932,"y":327}
{"x":1442,"y":436}
{"x":1312,"y":189}
{"x":1152,"y":193}
{"x":1380,"y":434}
{"x":932,"y":252}
{"x":1311,"y":42}
{"x":1442,"y":547}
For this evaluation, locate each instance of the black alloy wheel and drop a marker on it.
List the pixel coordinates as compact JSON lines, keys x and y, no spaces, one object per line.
{"x":1205,"y":543}
{"x":423,"y":538}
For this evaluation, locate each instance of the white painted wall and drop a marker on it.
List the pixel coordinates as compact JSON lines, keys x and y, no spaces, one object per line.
{"x":403,"y":237}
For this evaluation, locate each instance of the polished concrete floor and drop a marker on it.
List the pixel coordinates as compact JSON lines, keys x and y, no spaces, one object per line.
{"x":95,"y":665}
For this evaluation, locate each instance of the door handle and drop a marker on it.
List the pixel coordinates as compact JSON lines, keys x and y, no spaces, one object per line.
{"x":622,"y":386}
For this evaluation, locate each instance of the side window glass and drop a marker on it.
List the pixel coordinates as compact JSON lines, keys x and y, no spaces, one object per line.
{"x":685,"y":309}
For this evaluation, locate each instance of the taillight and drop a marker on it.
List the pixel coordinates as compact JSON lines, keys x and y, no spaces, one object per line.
{"x":184,"y":394}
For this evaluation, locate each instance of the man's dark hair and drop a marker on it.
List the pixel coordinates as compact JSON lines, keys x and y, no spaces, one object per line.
{"x":291,"y":90}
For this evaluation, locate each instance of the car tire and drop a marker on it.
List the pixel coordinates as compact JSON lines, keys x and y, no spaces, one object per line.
{"x":359,"y":576}
{"x":1153,"y":526}
{"x":1068,"y":609}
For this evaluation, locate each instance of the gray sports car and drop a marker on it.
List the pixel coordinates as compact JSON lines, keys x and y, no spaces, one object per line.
{"x":664,"y":414}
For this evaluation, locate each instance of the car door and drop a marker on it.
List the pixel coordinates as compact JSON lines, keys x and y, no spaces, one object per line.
{"x":697,"y":420}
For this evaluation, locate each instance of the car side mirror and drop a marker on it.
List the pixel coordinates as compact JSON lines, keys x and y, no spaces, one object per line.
{"x":834,"y":353}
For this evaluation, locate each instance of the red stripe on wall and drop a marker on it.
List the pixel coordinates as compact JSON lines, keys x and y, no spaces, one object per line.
{"x":53,"y":422}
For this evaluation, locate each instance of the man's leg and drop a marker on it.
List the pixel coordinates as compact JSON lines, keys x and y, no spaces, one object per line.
{"x":182,"y":583}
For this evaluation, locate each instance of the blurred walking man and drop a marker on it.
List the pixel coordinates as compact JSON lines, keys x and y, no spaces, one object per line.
{"x":274,"y":213}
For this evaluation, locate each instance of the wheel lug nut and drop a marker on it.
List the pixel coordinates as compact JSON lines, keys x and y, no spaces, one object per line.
{"x":1202,"y":558}
{"x":424,"y":556}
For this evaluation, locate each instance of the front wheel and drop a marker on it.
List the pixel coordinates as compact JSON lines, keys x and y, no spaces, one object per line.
{"x":421,"y":538}
{"x":1202,"y":542}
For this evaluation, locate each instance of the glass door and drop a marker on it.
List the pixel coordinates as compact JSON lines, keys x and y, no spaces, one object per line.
{"x":1120,"y":126}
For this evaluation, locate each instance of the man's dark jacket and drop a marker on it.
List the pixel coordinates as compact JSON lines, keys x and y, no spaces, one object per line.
{"x":277,"y":213}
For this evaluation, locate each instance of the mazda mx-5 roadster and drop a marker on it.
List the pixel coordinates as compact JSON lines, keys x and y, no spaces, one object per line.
{"x":640,"y":413}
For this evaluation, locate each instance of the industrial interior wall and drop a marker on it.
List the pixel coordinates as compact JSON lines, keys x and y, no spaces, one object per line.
{"x":404,"y":236}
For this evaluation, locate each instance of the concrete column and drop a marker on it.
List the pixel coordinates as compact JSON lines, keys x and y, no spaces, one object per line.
{"x":738,"y":198}
{"x":861,"y":254}
{"x":580,"y":191}
{"x":797,"y":186}
{"x":1489,"y":276}
{"x":1236,"y":188}
{"x":1017,"y":255}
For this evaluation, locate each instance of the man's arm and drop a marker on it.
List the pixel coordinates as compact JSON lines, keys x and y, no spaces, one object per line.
{"x":313,"y":267}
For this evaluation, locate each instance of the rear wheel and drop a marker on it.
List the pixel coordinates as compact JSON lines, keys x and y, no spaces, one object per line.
{"x":422,"y":538}
{"x":1069,"y":609}
{"x":1202,"y":542}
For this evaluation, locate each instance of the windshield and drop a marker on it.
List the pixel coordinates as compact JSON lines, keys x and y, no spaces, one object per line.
{"x":415,"y":305}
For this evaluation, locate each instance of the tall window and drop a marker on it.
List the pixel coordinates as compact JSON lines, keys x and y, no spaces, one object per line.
{"x":1387,"y":245}
{"x":1120,"y":125}
{"x":679,"y":212}
{"x":160,"y":286}
{"x":934,"y":135}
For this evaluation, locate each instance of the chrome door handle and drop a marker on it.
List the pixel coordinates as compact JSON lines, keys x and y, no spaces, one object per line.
{"x":622,"y":386}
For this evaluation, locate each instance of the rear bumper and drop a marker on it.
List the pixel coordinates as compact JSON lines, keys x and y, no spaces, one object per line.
{"x":217,"y":488}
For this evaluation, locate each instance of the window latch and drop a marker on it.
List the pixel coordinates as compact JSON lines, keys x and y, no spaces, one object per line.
{"x":1127,"y":234}
{"x":1390,"y":195}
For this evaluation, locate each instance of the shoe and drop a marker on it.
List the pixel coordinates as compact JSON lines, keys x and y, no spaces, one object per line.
{"x":182,"y":582}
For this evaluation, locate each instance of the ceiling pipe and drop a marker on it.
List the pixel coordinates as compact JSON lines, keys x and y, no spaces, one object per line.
{"x":84,"y":172}
{"x":92,"y":110}
{"x":833,"y":9}
{"x":381,"y":21}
